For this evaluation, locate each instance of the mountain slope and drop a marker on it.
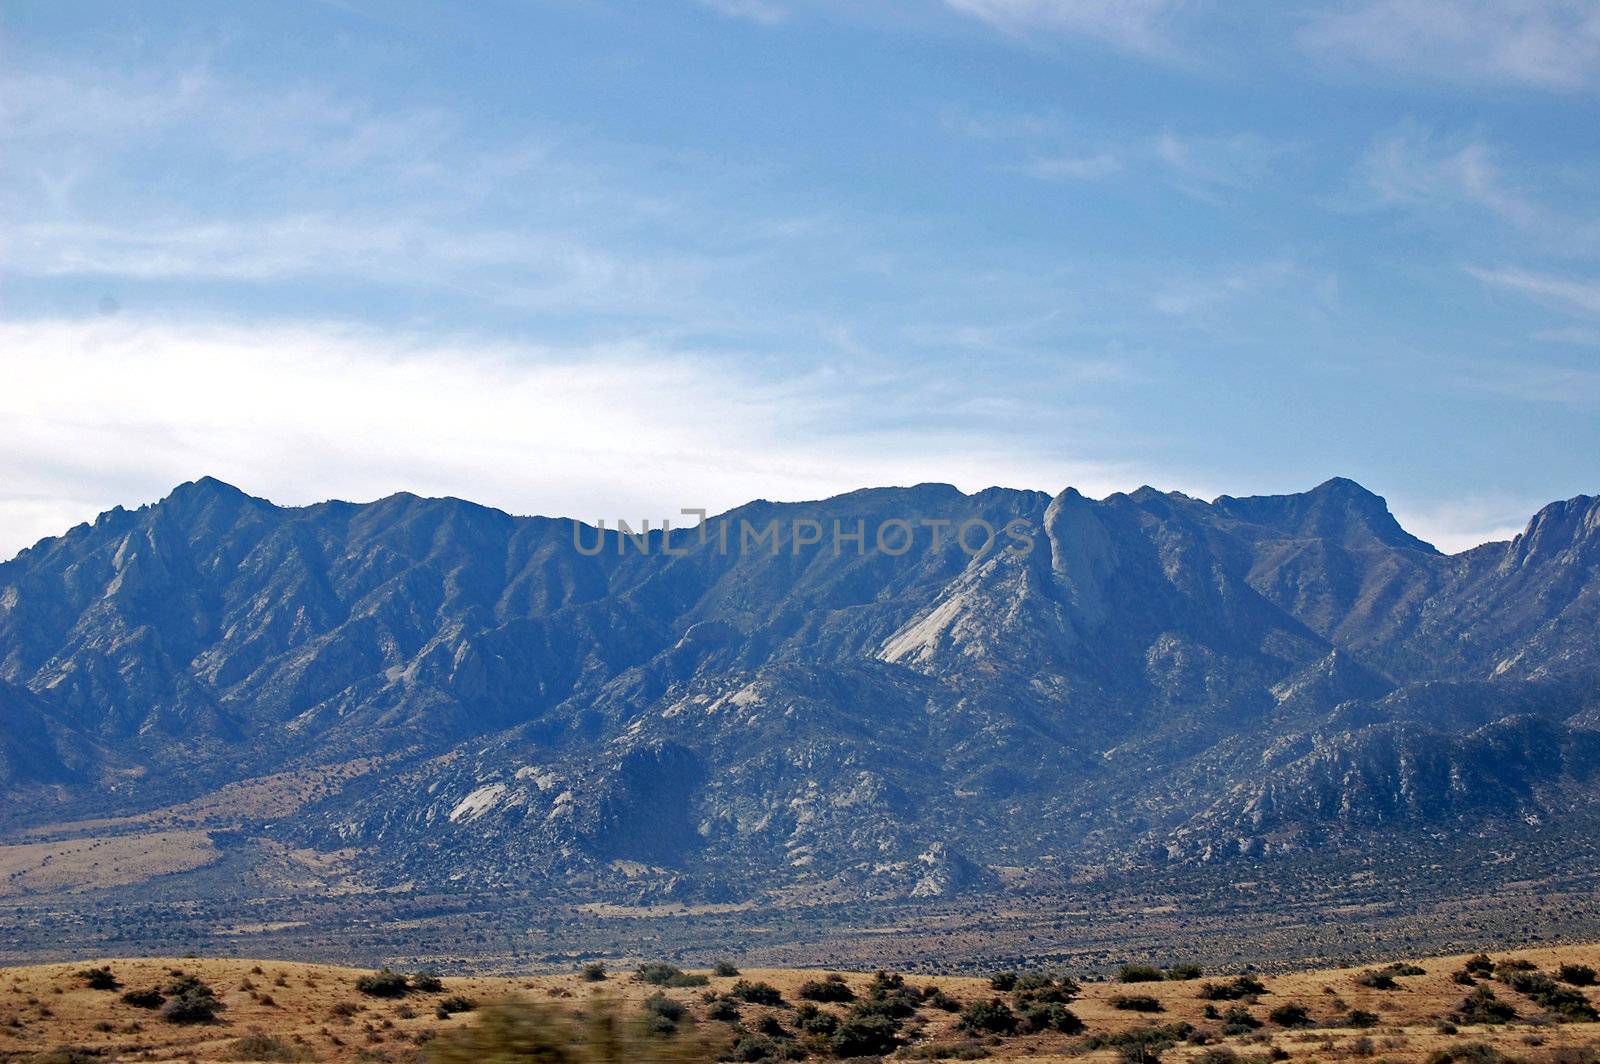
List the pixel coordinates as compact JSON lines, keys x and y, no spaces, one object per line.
{"x":893,"y":691}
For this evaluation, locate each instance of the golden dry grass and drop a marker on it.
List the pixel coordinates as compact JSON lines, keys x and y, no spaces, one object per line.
{"x":45,"y":1006}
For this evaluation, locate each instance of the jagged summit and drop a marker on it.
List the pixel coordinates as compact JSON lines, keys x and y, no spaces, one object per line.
{"x":639,"y":723}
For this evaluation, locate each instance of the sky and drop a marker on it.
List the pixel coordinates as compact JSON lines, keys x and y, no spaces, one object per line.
{"x":616,"y":259}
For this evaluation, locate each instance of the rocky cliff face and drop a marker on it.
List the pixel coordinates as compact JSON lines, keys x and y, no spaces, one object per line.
{"x":771,"y":703}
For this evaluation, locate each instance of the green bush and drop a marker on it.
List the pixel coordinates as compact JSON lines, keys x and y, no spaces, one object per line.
{"x":756,"y":993}
{"x":724,"y":970}
{"x":190,"y":1001}
{"x":1140,"y":973}
{"x":829,"y":988}
{"x":659,"y":974}
{"x":865,"y":1035}
{"x":1576,"y":974}
{"x":454,"y":1004}
{"x":1185,"y":972}
{"x":723,"y":1008}
{"x":1290,"y":1016}
{"x":258,"y":1046}
{"x":813,"y":1020}
{"x":427,"y":983}
{"x":988,"y":1017}
{"x":1052,"y":1017}
{"x":1481,"y":1006}
{"x":384,"y":984}
{"x":1005,"y":982}
{"x":1238,"y":1020}
{"x":1136,"y":1003}
{"x":1244,"y":986}
{"x":144,"y":999}
{"x":99,"y":979}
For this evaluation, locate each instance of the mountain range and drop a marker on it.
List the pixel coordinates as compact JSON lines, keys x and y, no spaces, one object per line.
{"x":897,"y":692}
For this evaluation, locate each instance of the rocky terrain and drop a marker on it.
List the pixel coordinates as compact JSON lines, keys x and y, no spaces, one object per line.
{"x":432,"y":696}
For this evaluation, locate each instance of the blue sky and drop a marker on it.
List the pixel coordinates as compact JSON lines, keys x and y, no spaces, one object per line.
{"x":614,"y":259}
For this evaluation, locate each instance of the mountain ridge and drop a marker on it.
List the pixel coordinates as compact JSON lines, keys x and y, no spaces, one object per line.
{"x":806,"y":710}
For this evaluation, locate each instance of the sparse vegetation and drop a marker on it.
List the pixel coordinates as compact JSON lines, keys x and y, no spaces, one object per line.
{"x":384,"y":984}
{"x":99,"y":979}
{"x":661,"y":974}
{"x":1576,"y":974}
{"x":539,"y":1033}
{"x":1244,"y":986}
{"x":988,"y":1017}
{"x":1136,"y":1003}
{"x":1140,"y":973}
{"x":190,"y":1001}
{"x":831,"y":988}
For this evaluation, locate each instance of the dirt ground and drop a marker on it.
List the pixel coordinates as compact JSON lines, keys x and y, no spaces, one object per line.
{"x":317,"y":1013}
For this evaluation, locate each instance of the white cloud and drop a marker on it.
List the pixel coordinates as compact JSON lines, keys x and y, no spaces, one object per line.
{"x":1581,"y":296}
{"x":1134,"y":25}
{"x":1549,"y":44}
{"x":762,"y":11}
{"x":1086,"y":168}
{"x":1410,"y":166}
{"x":119,"y":411}
{"x":1461,"y":525}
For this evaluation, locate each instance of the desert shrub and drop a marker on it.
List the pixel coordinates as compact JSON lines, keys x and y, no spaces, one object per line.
{"x":1480,"y":965}
{"x":813,"y":1020}
{"x":1576,"y":974}
{"x":1243,"y":986}
{"x":1140,"y":973}
{"x":753,"y":1047}
{"x":1290,"y":1016}
{"x":1481,"y":1006}
{"x":888,"y":995}
{"x":1468,"y":1053}
{"x":659,"y":974}
{"x":427,"y":983}
{"x":1562,"y":1002}
{"x":1377,"y":979}
{"x":384,"y":984}
{"x":150,"y":998}
{"x":1238,"y":1020}
{"x":1136,"y":1003}
{"x":756,"y":993}
{"x":947,"y":1051}
{"x":99,"y":979}
{"x":258,"y":1046}
{"x":723,"y":1008}
{"x":988,"y":1017}
{"x":1462,"y":977}
{"x":935,"y":998}
{"x":454,"y":1004}
{"x":542,"y":1034}
{"x":662,"y":1014}
{"x":1362,"y":1018}
{"x":190,"y":1001}
{"x":1045,"y":990}
{"x":830,"y":988}
{"x":343,"y":1010}
{"x":1216,"y":1055}
{"x":865,"y":1035}
{"x":1005,"y":982}
{"x":724,"y":970}
{"x":1185,"y":972}
{"x":593,"y":972}
{"x":1052,"y":1017}
{"x":1142,"y":1045}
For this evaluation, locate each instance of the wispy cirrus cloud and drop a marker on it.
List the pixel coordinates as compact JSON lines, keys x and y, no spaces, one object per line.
{"x":764,"y":12}
{"x":1082,"y":168}
{"x":1577,"y":295}
{"x":1546,"y":44}
{"x":1133,"y":25}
